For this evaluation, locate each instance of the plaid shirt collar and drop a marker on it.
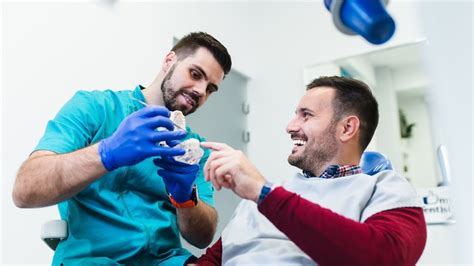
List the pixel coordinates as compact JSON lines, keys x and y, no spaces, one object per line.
{"x":336,"y":170}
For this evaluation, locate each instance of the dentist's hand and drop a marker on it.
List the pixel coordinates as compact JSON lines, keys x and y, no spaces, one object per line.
{"x":136,"y":138}
{"x":178,"y":177}
{"x":230,"y":168}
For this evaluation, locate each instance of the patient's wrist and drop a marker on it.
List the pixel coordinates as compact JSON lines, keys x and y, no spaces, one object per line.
{"x":264,"y":191}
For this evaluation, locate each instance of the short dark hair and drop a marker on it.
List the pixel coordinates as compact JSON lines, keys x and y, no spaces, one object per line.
{"x":352,"y":97}
{"x":188,"y":45}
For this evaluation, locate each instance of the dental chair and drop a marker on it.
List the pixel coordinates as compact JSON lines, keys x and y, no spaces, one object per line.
{"x":52,"y":232}
{"x":373,"y":162}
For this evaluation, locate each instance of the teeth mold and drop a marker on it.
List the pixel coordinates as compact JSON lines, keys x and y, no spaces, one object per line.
{"x":192,"y":147}
{"x":193,"y":153}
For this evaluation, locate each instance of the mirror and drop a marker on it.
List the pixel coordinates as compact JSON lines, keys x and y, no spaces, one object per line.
{"x":398,"y":81}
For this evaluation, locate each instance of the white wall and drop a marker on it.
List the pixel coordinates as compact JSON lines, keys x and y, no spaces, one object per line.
{"x":52,"y":49}
{"x":448,"y":26}
{"x":1,"y":144}
{"x":410,"y":76}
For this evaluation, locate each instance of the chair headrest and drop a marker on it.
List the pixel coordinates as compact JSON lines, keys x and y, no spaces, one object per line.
{"x":373,"y":162}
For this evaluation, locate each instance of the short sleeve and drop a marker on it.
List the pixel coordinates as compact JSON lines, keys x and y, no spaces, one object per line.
{"x":74,"y":125}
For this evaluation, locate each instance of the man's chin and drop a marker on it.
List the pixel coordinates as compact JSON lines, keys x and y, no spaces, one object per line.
{"x":187,"y":112}
{"x":293,"y":161}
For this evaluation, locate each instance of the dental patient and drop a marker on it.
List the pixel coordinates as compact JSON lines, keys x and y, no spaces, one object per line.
{"x":330,"y":213}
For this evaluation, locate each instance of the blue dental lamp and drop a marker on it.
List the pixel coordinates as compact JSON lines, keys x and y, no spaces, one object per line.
{"x":367,"y":18}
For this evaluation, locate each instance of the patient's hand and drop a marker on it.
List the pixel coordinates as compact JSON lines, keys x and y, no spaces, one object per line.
{"x":230,"y":168}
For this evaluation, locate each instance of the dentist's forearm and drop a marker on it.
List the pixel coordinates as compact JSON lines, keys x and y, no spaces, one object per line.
{"x":197,"y":224}
{"x":47,"y":178}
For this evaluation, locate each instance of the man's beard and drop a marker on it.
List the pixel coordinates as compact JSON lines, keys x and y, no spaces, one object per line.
{"x":170,"y":95}
{"x":321,"y":151}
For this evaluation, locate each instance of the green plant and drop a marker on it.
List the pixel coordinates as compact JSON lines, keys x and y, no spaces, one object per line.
{"x":405,"y":128}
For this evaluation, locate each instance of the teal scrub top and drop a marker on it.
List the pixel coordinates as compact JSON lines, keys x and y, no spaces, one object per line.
{"x":124,"y":217}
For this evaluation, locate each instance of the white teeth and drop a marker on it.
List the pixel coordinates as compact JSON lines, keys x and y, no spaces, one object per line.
{"x":299,"y":142}
{"x":188,"y":99}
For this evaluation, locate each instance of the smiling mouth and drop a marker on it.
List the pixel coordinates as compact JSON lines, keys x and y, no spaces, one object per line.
{"x":297,"y":143}
{"x":189,"y":100}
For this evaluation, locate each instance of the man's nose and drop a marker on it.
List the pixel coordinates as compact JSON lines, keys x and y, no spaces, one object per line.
{"x":199,"y":89}
{"x":292,"y":126}
{"x":197,"y":94}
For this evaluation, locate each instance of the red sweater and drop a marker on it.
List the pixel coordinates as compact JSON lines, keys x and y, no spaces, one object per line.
{"x":393,"y":237}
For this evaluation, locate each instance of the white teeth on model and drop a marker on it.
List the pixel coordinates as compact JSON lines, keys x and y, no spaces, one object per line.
{"x":299,"y":142}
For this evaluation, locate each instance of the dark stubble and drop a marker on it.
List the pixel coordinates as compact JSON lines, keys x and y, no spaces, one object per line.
{"x":170,"y":95}
{"x":317,"y":153}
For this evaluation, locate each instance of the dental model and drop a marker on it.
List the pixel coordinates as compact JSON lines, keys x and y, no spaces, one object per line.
{"x":178,"y":120}
{"x":192,"y":147}
{"x":193,"y":153}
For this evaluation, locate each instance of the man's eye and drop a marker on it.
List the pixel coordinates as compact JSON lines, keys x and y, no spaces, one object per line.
{"x":195,"y":74}
{"x":306,"y":115}
{"x":211,"y":89}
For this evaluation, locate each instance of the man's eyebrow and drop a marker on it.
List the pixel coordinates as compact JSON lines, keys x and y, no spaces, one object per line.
{"x":203,"y":73}
{"x":304,"y":109}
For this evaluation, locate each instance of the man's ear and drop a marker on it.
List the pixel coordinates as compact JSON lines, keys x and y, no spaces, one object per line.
{"x":169,"y":60}
{"x":349,"y":128}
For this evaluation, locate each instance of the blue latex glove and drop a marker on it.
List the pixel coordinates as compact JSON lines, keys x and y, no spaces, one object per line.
{"x":178,"y":177}
{"x":135,"y":139}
